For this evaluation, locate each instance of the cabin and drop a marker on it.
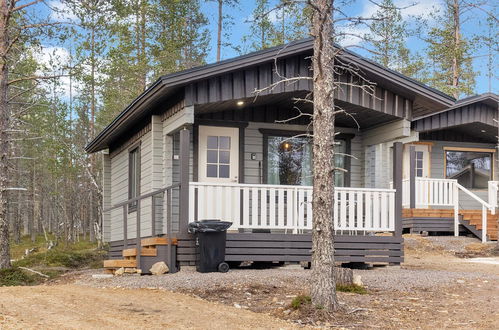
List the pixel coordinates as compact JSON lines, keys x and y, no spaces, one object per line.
{"x":199,"y":144}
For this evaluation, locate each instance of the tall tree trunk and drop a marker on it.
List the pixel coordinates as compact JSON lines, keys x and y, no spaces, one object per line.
{"x":457,"y":47}
{"x":219,"y":32}
{"x":4,"y":136}
{"x":323,"y":286}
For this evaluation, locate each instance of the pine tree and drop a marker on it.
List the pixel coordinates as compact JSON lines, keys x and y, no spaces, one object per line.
{"x":388,"y":33}
{"x":450,"y":52}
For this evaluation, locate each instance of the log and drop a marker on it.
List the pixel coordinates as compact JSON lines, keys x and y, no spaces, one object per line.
{"x":344,"y":276}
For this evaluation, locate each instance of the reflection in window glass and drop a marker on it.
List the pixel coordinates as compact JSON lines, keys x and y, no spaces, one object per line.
{"x":471,"y":169}
{"x":290,"y":161}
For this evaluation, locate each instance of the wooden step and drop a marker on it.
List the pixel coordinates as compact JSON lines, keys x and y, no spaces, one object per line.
{"x":152,"y":241}
{"x":145,"y":252}
{"x":118,"y":263}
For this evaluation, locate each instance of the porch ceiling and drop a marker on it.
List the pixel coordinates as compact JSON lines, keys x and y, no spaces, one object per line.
{"x":277,"y":107}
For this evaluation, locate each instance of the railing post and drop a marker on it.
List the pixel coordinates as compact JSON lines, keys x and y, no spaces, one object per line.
{"x":153,"y":215}
{"x":412,"y":177}
{"x":184,"y":181}
{"x":455,"y":196}
{"x":138,"y":238}
{"x":125,"y":226}
{"x":484,"y":224}
{"x":397,"y":185}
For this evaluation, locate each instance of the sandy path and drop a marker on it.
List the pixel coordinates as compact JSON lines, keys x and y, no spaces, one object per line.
{"x":77,"y":307}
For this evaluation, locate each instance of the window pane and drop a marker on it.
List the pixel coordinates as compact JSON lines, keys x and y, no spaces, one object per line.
{"x":224,"y":157}
{"x":212,"y":142}
{"x":289,"y":161}
{"x":224,"y":142}
{"x":212,"y":156}
{"x":419,"y":172}
{"x":211,"y":171}
{"x":224,"y":171}
{"x":471,"y":169}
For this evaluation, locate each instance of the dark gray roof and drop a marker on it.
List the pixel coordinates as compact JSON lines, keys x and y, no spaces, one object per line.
{"x":167,"y":84}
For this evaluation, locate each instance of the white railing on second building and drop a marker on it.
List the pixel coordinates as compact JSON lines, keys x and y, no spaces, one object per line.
{"x":289,"y":208}
{"x":445,"y":193}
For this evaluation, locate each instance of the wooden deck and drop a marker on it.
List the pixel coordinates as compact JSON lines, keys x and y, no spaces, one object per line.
{"x":437,"y":220}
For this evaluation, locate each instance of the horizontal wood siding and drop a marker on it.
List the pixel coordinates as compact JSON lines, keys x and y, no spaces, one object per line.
{"x":286,"y":247}
{"x":119,"y":190}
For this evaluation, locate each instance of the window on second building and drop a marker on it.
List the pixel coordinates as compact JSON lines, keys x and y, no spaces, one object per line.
{"x":133,"y":177}
{"x":472,"y":169}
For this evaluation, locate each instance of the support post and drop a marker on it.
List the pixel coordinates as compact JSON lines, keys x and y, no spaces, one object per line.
{"x":153,"y":215}
{"x":397,"y":185}
{"x":138,"y":244}
{"x":184,"y":181}
{"x":455,"y":196}
{"x":484,"y":224}
{"x":412,"y":177}
{"x":125,"y":226}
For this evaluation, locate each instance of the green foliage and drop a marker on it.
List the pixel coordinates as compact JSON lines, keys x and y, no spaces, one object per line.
{"x":387,"y":35}
{"x":16,"y":277}
{"x":300,"y":300}
{"x":82,"y":254}
{"x":450,"y":53}
{"x":352,"y":288}
{"x":272,"y":26}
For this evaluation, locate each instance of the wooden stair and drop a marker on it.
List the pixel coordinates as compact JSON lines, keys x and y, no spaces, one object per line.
{"x":472,"y":217}
{"x":148,"y":249}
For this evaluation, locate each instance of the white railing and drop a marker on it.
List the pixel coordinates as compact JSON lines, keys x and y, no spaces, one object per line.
{"x":445,"y":192}
{"x":493,"y":189}
{"x":259,"y":206}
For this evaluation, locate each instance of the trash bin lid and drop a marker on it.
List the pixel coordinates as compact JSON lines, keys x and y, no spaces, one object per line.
{"x":208,"y":225}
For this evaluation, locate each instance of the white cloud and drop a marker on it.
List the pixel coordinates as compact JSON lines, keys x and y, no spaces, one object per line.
{"x":61,"y":12}
{"x":53,"y":60}
{"x":409,"y":8}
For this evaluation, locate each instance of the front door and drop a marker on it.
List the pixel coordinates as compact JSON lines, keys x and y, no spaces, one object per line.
{"x":423,"y":161}
{"x":218,"y":154}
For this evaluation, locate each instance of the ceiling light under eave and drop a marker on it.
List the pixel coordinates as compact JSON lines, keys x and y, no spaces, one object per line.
{"x":483,"y":131}
{"x":240,"y":103}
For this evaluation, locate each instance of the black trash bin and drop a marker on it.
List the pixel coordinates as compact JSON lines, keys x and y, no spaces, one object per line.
{"x":210,"y":245}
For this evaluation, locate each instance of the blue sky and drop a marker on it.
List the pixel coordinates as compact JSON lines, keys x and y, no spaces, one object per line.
{"x":473,"y":24}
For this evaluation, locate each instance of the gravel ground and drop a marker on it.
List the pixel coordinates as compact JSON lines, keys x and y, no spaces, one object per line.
{"x":449,"y":244}
{"x":380,"y":278}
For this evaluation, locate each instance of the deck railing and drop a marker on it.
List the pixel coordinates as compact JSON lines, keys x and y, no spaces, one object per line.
{"x":445,"y":193}
{"x":289,"y":208}
{"x":161,"y":197}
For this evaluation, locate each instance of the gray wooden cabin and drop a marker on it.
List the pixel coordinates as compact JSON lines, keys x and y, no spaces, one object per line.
{"x":199,"y":144}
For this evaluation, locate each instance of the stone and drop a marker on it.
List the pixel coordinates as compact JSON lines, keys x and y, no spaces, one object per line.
{"x":159,"y":268}
{"x":357,"y":280}
{"x":237,"y":305}
{"x":101,"y":276}
{"x":119,"y":271}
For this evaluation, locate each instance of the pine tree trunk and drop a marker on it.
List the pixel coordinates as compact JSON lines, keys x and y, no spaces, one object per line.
{"x":323,"y":286}
{"x":4,"y":138}
{"x":219,"y":32}
{"x":457,"y":47}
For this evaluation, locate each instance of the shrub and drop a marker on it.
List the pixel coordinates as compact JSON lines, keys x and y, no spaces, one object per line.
{"x":15,"y":276}
{"x":300,"y":300}
{"x":353,"y":288}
